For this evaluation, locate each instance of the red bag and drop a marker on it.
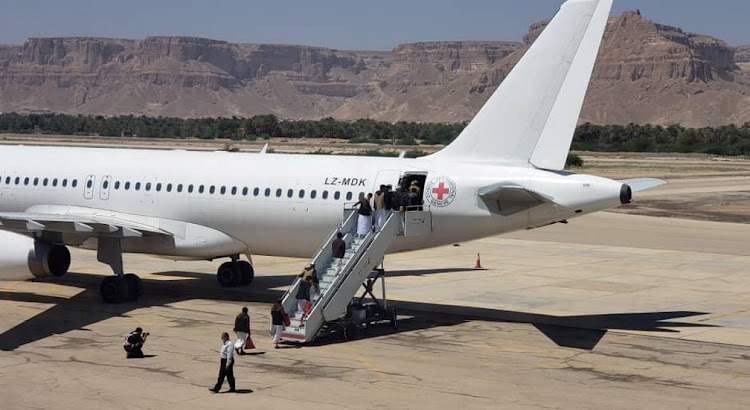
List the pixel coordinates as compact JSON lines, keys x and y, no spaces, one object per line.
{"x":308,"y":308}
{"x":287,"y":320}
{"x":249,"y":343}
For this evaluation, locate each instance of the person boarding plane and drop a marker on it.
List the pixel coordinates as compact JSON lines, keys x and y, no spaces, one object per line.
{"x":502,"y":173}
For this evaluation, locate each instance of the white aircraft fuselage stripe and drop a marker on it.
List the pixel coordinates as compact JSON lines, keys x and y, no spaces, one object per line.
{"x":272,"y":225}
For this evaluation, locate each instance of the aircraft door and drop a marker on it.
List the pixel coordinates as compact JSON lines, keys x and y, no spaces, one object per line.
{"x":104,"y":188}
{"x":88,"y":186}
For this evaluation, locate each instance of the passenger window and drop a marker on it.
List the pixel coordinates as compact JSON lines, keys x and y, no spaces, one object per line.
{"x":117,"y":185}
{"x":361,"y":195}
{"x":290,"y":193}
{"x":234,"y":190}
{"x":212,"y":189}
{"x":268,"y":191}
{"x":169,"y":187}
{"x":74,"y":183}
{"x":313,"y":194}
{"x":127,"y":185}
{"x":148,"y":186}
{"x":105,"y":184}
{"x":26,"y":181}
{"x":244,"y":191}
{"x":18,"y":180}
{"x":54,"y":182}
{"x":89,"y":183}
{"x":137,"y":186}
{"x":64,"y":183}
{"x":7,"y":180}
{"x":349,"y":196}
{"x":36,"y":181}
{"x":278,"y":192}
{"x":179,"y":188}
{"x":46,"y":180}
{"x":223,"y":190}
{"x":301,"y":193}
{"x":337,"y":195}
{"x":158,"y":187}
{"x":256,"y":191}
{"x":325,"y":194}
{"x":200,"y":189}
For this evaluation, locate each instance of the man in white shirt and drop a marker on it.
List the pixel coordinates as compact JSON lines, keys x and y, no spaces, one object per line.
{"x":227,"y":364}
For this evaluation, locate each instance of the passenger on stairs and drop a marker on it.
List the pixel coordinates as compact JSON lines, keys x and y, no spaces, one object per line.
{"x":310,"y":271}
{"x":303,"y":295}
{"x":277,"y":319}
{"x":364,"y":223}
{"x":379,"y":206}
{"x":338,"y":248}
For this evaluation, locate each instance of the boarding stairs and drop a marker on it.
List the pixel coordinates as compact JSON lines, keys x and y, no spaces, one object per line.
{"x":339,"y":282}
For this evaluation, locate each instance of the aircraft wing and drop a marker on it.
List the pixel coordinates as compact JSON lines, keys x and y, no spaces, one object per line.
{"x":509,"y":198}
{"x":87,"y":225}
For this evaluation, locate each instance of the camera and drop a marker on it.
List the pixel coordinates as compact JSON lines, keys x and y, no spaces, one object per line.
{"x":145,"y":334}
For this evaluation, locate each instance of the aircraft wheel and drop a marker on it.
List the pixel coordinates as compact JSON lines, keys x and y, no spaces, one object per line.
{"x":227,"y":274}
{"x":113,"y":290}
{"x":247,"y":273}
{"x":133,"y":283}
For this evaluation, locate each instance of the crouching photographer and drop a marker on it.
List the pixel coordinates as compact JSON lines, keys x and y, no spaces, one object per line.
{"x":133,"y":343}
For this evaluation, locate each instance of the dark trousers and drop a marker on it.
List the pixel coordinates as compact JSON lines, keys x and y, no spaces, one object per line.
{"x":225,"y":371}
{"x":134,"y":351}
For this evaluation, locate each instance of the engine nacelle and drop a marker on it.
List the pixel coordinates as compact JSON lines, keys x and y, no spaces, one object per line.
{"x":23,"y":258}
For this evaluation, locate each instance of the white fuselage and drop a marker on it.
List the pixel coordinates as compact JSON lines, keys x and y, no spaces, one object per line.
{"x":240,"y":194}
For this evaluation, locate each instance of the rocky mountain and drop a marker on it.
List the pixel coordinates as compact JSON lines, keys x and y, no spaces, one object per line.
{"x":646,"y":72}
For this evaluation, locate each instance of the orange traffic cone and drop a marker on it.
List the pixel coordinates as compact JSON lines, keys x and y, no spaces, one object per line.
{"x":478,"y":265}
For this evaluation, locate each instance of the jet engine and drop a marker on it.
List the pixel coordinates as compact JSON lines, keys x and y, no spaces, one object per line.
{"x":23,"y":258}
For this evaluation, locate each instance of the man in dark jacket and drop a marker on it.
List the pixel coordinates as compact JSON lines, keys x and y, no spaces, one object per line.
{"x":338,"y":248}
{"x":242,"y":329}
{"x":134,"y":343}
{"x":389,"y":198}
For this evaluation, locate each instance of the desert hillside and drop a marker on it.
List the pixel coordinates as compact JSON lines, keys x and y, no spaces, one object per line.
{"x":646,"y":73}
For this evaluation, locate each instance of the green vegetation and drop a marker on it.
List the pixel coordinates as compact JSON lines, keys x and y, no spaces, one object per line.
{"x":725,"y":140}
{"x":573,"y":160}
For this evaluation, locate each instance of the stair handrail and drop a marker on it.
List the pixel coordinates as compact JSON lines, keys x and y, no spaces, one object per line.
{"x":349,"y":267}
{"x":327,"y":243}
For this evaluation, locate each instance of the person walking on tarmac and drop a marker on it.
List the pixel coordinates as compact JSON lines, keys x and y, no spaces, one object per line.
{"x":277,"y":320}
{"x":226,"y":368}
{"x":242,"y":330}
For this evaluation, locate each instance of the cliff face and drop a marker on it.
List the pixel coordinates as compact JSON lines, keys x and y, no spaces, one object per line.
{"x":646,"y":72}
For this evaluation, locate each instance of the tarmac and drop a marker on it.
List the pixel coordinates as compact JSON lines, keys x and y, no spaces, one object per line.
{"x":608,"y":311}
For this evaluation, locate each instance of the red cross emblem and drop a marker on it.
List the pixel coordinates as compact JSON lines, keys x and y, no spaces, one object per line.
{"x":441,"y":190}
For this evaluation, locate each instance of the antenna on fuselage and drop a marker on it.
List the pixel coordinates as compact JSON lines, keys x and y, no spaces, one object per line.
{"x":264,"y":149}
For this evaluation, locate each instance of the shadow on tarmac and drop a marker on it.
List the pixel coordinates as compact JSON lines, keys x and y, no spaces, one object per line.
{"x":85,"y":308}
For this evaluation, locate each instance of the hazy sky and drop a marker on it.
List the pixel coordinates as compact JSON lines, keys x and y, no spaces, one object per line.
{"x":349,"y":24}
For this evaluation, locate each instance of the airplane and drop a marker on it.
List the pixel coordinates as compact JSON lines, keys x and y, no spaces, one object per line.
{"x":503,"y":173}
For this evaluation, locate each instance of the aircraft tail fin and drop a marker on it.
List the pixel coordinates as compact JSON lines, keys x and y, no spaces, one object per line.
{"x":532,"y":115}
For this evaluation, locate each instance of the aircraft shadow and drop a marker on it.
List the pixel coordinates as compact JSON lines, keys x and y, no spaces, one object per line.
{"x":579,"y":332}
{"x":66,"y":314}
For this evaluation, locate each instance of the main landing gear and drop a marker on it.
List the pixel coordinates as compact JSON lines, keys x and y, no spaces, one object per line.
{"x":123,"y":287}
{"x":235,"y":272}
